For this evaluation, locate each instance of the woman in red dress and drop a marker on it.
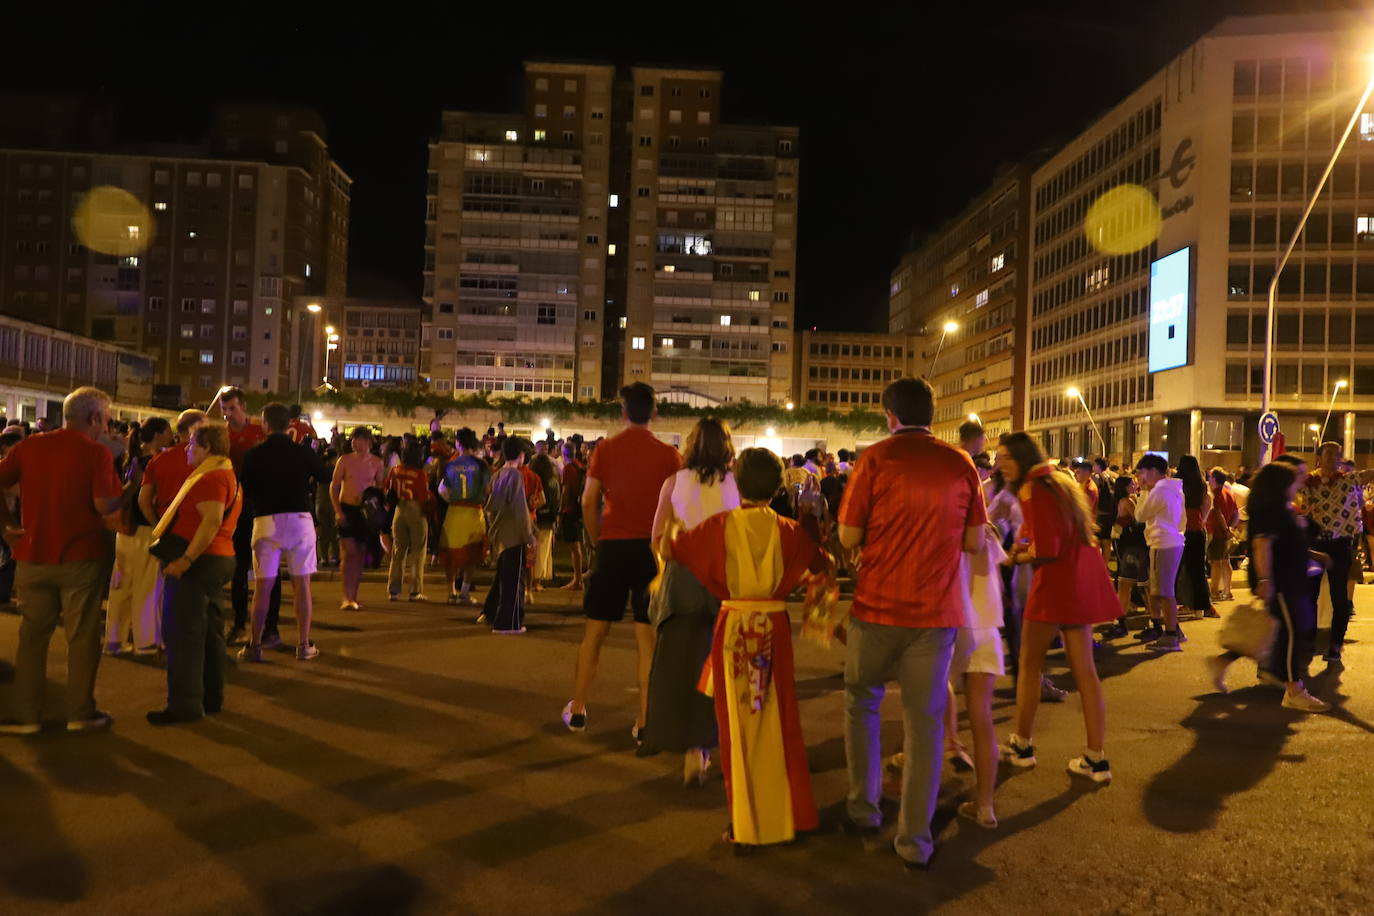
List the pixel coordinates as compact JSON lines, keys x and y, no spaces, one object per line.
{"x":1070,"y":592}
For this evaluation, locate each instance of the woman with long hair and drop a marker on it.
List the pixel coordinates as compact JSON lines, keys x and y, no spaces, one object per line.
{"x":545,"y":518}
{"x":1070,"y":592}
{"x":1278,"y":572}
{"x":1132,"y":552}
{"x":680,"y":719}
{"x":1221,"y":524}
{"x":1197,"y":505}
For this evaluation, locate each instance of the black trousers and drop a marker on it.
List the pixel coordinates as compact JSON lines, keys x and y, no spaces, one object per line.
{"x":193,"y":628}
{"x":243,"y":574}
{"x":1338,"y":576}
{"x":1297,"y":633}
{"x":505,"y":604}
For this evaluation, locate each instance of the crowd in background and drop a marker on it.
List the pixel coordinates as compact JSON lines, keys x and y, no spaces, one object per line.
{"x":962,"y":560}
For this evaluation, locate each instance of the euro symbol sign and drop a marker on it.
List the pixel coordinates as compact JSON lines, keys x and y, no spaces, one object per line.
{"x":1182,"y":165}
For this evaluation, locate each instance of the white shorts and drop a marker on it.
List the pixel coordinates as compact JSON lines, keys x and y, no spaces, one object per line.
{"x":290,"y":535}
{"x":977,"y":651}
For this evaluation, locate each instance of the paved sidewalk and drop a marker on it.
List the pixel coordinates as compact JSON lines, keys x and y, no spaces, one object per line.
{"x":418,"y":766}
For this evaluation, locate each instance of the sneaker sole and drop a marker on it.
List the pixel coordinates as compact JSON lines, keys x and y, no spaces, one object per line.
{"x":1010,"y":756}
{"x":1095,"y":777}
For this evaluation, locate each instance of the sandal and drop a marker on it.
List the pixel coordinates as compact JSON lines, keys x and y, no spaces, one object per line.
{"x":983,"y":817}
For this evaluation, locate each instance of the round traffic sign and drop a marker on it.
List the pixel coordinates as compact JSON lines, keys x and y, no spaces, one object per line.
{"x":1268,"y":427}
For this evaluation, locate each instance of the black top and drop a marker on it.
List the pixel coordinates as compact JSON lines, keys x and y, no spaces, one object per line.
{"x":1288,"y":557}
{"x":135,"y":474}
{"x":276,"y":476}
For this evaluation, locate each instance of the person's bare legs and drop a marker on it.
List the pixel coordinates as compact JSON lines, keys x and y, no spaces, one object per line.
{"x":1169,"y":610}
{"x":1078,"y":646}
{"x":305,"y":609}
{"x":588,"y":654}
{"x":645,"y":637}
{"x":262,"y":598}
{"x":575,"y":551}
{"x":1036,"y":636}
{"x":952,"y":743}
{"x":978,"y":701}
{"x":1124,"y":588}
{"x":352,"y":567}
{"x":469,"y":575}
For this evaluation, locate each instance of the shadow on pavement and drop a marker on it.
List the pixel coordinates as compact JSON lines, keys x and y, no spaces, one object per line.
{"x":1239,"y":737}
{"x":36,"y":861}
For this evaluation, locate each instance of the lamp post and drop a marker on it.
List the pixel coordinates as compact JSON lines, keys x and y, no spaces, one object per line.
{"x":313,"y":309}
{"x":1316,"y":436}
{"x":1075,"y":393}
{"x":1335,"y":390}
{"x":331,"y":343}
{"x":949,"y":328}
{"x":1292,"y":243}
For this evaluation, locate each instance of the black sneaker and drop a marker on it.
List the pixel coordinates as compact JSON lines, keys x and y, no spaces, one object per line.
{"x":1152,"y":632}
{"x":1115,"y":631}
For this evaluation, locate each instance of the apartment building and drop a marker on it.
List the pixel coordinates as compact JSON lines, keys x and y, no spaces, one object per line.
{"x":1230,"y":138}
{"x":612,"y":231}
{"x":376,"y":342}
{"x":228,"y":234}
{"x":963,"y":293}
{"x":848,"y":370}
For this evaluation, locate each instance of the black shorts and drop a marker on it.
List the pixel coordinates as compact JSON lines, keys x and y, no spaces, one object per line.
{"x":355,"y":526}
{"x":570,"y":527}
{"x":624,"y":569}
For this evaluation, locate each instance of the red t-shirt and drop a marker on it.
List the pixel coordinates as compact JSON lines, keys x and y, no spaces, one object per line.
{"x":167,"y":472}
{"x":216,"y":486}
{"x":60,"y":475}
{"x":631,"y":467}
{"x":409,"y":483}
{"x":532,"y":484}
{"x":573,"y":472}
{"x":244,"y":439}
{"x":299,"y":430}
{"x":913,"y":495}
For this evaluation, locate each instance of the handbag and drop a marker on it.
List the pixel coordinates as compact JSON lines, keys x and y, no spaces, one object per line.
{"x":170,"y":547}
{"x":1250,"y":630}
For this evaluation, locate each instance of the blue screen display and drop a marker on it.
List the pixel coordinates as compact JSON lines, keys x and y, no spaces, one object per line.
{"x":1170,"y":294}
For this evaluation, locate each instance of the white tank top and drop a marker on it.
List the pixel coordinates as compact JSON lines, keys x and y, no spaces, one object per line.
{"x":694,"y":502}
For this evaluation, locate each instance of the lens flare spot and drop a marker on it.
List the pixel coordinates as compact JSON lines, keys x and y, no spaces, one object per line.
{"x":110,"y":220}
{"x":1123,"y":220}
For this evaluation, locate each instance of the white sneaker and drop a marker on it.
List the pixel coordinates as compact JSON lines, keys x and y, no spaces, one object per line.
{"x":419,"y":596}
{"x":575,"y":722}
{"x":1018,"y":751}
{"x":1304,"y":701}
{"x":1096,"y":770}
{"x":306,"y":652}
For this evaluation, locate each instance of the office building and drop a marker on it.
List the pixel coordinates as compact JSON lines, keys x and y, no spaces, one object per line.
{"x":376,"y":342}
{"x":963,"y":293}
{"x":1230,"y":138}
{"x":848,"y":370}
{"x":611,"y":231}
{"x":201,"y":277}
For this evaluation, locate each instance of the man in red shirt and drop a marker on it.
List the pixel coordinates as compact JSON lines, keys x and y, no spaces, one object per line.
{"x":244,"y":433}
{"x":67,"y":482}
{"x":627,"y":471}
{"x":168,"y":470}
{"x":300,"y":429}
{"x":570,"y":512}
{"x":913,"y":503}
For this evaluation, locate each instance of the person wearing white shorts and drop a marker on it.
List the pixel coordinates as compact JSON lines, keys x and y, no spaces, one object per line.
{"x":277,"y":477}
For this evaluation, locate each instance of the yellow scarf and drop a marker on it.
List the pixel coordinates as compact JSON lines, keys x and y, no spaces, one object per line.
{"x":210,"y":464}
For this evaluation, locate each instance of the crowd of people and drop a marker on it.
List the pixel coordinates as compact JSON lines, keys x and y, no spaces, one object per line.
{"x":962,"y":561}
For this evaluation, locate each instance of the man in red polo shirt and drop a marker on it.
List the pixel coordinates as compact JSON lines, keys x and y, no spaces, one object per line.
{"x":168,"y":470}
{"x":913,"y":503}
{"x":627,"y":470}
{"x":244,"y":433}
{"x":67,"y":482}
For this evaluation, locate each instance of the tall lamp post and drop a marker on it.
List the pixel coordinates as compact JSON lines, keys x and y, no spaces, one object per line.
{"x":1316,"y":436}
{"x":314,"y":310}
{"x":1335,"y":390}
{"x":331,"y":343}
{"x":949,"y":328}
{"x":1292,"y":243}
{"x":1075,"y":393}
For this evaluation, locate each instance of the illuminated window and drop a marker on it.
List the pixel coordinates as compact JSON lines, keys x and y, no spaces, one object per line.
{"x":981,"y":299}
{"x":615,"y":200}
{"x":703,"y":117}
{"x":753,"y":295}
{"x":539,"y":136}
{"x":160,"y":205}
{"x":998,"y":262}
{"x":1367,"y":126}
{"x":1364,"y":228}
{"x":622,"y":321}
{"x":674,"y":116}
{"x":512,"y":135}
{"x":207,"y":357}
{"x":953,"y":290}
{"x":307,"y":270}
{"x":636,"y":343}
{"x":669,"y":268}
{"x":725,"y":321}
{"x":133,"y":233}
{"x":668,"y":342}
{"x":610,"y":249}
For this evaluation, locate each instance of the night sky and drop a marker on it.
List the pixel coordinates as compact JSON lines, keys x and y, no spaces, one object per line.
{"x":904,"y":117}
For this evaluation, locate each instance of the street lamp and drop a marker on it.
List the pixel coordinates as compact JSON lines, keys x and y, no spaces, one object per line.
{"x":331,"y":343}
{"x":1336,"y":389}
{"x":313,"y":309}
{"x":974,"y":418}
{"x":1292,"y":243}
{"x":1075,"y":393}
{"x":1316,"y":436}
{"x":949,"y":328}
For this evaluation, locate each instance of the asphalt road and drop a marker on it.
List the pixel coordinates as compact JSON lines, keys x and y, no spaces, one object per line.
{"x":418,"y":766}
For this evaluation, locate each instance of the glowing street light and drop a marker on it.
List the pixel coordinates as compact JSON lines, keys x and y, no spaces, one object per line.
{"x":770,"y":432}
{"x":545,"y":423}
{"x":1075,"y":393}
{"x":1316,"y":436}
{"x":1335,"y":390}
{"x":949,"y":328}
{"x":789,"y":405}
{"x":974,"y":418}
{"x":313,"y":308}
{"x":1292,"y":243}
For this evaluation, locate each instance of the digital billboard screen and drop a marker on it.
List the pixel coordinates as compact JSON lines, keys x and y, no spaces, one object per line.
{"x":1171,"y":284}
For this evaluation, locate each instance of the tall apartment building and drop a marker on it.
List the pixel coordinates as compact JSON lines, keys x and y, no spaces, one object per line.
{"x":377,"y":346}
{"x":612,"y":231}
{"x":848,"y":370}
{"x":238,"y":228}
{"x":1231,"y":137}
{"x":971,"y":275}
